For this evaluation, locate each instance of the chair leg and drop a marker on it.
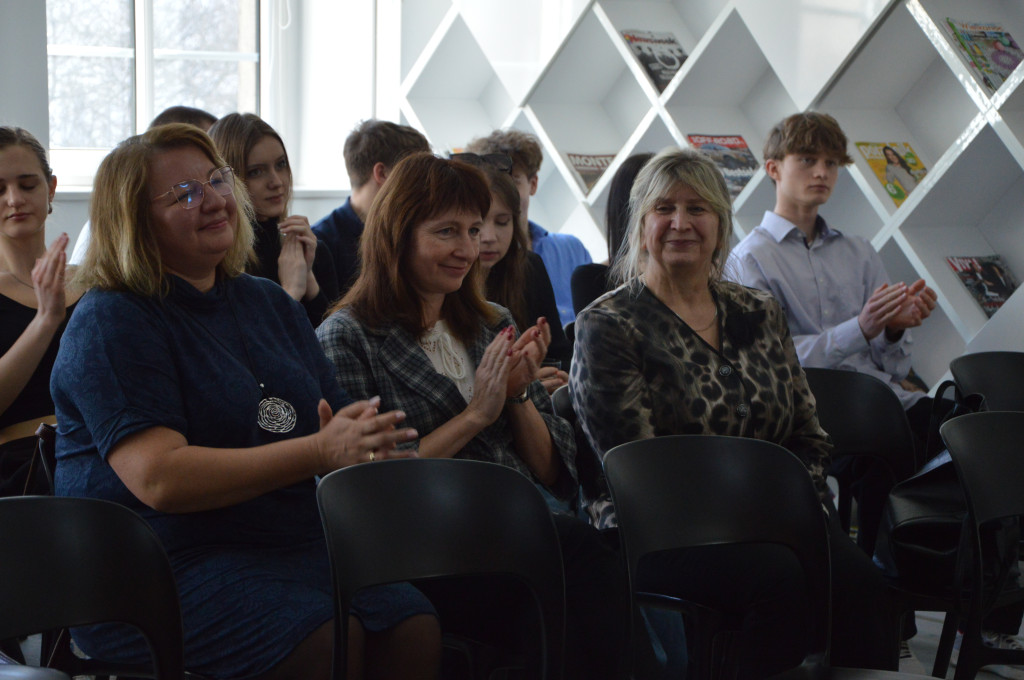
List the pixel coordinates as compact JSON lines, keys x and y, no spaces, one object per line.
{"x":944,"y":651}
{"x":969,"y":661}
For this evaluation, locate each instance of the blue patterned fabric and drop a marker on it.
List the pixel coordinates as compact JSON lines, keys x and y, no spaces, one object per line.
{"x":253,"y":578}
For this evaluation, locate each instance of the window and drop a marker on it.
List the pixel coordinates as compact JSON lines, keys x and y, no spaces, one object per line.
{"x":114,"y":64}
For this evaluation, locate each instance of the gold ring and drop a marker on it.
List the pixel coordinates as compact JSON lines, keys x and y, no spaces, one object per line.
{"x":373,"y":456}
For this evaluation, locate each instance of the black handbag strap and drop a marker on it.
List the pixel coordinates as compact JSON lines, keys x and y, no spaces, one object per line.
{"x":940,"y":413}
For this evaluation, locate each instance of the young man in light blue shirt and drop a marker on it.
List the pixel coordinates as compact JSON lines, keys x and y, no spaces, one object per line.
{"x":842,"y":310}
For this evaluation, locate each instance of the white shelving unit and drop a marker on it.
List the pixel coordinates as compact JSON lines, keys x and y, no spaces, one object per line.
{"x":560,"y":69}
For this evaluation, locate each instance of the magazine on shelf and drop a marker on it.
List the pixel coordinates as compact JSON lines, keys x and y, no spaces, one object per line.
{"x":658,"y":52}
{"x":733,"y":157}
{"x":589,"y":167}
{"x":986,"y":277}
{"x":987,"y":48}
{"x":896,"y":166}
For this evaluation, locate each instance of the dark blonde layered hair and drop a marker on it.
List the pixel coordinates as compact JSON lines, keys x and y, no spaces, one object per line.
{"x":123,"y":252}
{"x":506,"y":282}
{"x":421,"y":187}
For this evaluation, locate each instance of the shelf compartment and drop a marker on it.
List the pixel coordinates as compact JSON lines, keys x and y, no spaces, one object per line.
{"x":974,"y":208}
{"x":655,"y":16}
{"x":519,"y":37}
{"x":555,"y":202}
{"x":745,"y":99}
{"x":420,"y":21}
{"x":918,"y":100}
{"x":655,"y":137}
{"x":936,"y":341}
{"x":458,"y":95}
{"x":1009,"y":15}
{"x":582,"y":112}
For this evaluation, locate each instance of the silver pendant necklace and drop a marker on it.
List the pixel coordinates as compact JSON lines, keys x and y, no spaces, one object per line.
{"x":274,"y":414}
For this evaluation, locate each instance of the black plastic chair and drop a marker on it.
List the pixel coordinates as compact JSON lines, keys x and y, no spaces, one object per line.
{"x":588,"y":466}
{"x":986,"y":451}
{"x":77,"y":561}
{"x":587,"y":283}
{"x":691,"y":490}
{"x":865,"y":418}
{"x":417,"y":519}
{"x":997,"y":375}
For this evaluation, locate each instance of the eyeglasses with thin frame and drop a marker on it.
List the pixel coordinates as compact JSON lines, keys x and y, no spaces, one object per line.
{"x":189,"y":193}
{"x":501,"y":162}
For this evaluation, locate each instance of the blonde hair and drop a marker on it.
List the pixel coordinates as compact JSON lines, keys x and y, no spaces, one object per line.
{"x":654,"y":181}
{"x":123,"y":252}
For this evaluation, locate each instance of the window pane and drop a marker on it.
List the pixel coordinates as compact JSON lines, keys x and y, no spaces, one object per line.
{"x":106,"y":23}
{"x":91,"y":101}
{"x":219,"y":87}
{"x":205,"y":25}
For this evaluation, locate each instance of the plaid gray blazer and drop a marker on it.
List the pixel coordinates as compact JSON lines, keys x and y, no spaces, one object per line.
{"x":389,"y":363}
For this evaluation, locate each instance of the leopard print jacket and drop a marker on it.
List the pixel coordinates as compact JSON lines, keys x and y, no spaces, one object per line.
{"x":639,"y":371}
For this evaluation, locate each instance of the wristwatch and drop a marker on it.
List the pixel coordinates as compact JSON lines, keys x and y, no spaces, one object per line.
{"x":519,"y":398}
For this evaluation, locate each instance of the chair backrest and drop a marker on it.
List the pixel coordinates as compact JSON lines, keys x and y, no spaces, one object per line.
{"x":402,"y":520}
{"x":997,"y":375}
{"x":864,"y":417}
{"x":76,"y":561}
{"x":588,"y":466}
{"x":988,"y":451}
{"x":686,"y":491}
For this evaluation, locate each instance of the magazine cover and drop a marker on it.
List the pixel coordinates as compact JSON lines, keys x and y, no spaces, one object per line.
{"x":659,"y":53}
{"x":987,"y":48}
{"x":987,"y":278}
{"x":733,"y":157}
{"x":589,"y":167}
{"x":896,"y":166}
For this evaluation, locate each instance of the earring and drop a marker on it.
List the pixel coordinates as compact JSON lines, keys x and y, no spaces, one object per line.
{"x":49,"y":208}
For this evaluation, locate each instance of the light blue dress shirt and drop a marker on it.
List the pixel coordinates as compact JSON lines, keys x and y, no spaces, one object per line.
{"x":822,"y":288}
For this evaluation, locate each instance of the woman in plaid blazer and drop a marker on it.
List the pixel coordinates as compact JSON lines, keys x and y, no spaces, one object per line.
{"x":416,"y":330}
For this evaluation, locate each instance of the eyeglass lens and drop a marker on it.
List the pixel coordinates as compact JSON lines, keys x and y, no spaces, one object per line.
{"x":190,"y":193}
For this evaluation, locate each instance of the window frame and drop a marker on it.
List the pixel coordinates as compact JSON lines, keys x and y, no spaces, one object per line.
{"x":78,"y":164}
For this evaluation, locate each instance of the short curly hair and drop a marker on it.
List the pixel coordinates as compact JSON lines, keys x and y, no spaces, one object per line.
{"x":522,"y":147}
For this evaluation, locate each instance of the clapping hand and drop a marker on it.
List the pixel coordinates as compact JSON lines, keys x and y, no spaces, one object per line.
{"x":357,"y":433}
{"x":48,"y":280}
{"x":527,"y":354}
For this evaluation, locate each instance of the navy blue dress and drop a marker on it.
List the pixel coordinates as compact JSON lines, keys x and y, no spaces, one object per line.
{"x":253,"y":578}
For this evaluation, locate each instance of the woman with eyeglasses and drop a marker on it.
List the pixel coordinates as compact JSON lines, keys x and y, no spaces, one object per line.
{"x":198,"y":396}
{"x":514,"y":276}
{"x":35,"y":303}
{"x":287,"y":251}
